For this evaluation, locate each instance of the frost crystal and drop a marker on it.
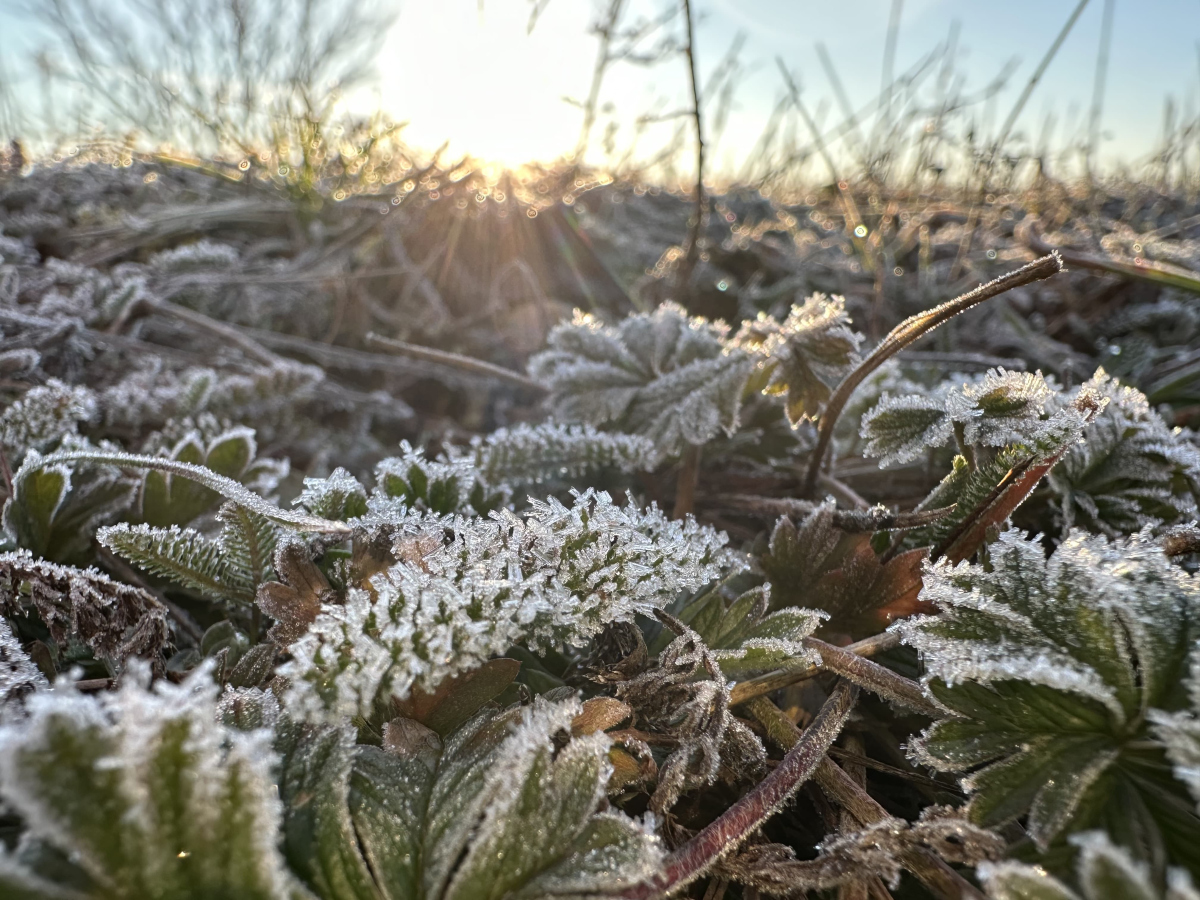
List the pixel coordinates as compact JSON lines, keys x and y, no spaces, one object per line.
{"x":662,"y":375}
{"x":465,"y":590}
{"x":1181,"y":733}
{"x":901,"y":429}
{"x":18,"y":675}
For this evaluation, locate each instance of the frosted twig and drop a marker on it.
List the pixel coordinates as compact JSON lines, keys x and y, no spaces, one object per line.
{"x":873,"y":677}
{"x":226,"y":487}
{"x":941,"y":880}
{"x":222,"y":330}
{"x":724,"y":835}
{"x":456,"y":360}
{"x":905,"y":334}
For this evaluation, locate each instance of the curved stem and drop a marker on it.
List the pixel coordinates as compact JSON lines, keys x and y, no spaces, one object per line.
{"x":737,"y":823}
{"x":907,"y":333}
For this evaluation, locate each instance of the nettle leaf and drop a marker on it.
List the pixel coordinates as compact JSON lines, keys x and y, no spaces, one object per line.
{"x":818,"y":565}
{"x":806,"y":355}
{"x":901,"y":429}
{"x":500,"y":807}
{"x":1104,"y":872}
{"x":995,"y":410}
{"x":1001,"y":408}
{"x":229,"y":567}
{"x":746,"y":638}
{"x":114,"y":620}
{"x":140,"y":793}
{"x":672,"y":379}
{"x":1132,"y":471}
{"x":461,"y":591}
{"x":1048,"y":669}
{"x":168,"y":499}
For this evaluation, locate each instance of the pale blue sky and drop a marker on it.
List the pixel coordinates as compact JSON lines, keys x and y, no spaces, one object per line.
{"x":473,"y":76}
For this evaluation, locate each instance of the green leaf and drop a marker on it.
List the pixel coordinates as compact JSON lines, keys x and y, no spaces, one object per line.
{"x":807,"y":355}
{"x":143,"y":795}
{"x":494,"y":809}
{"x":1050,"y":669}
{"x":664,"y":376}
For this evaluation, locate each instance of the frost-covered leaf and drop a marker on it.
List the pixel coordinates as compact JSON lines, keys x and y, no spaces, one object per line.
{"x":54,"y":509}
{"x":984,"y":496}
{"x":42,"y":416}
{"x":465,"y":590}
{"x":1132,"y":471}
{"x":114,"y":620}
{"x":660,"y":375}
{"x":1001,"y":408}
{"x":445,"y":486}
{"x":1048,"y":669}
{"x":745,"y":637}
{"x":498,"y":808}
{"x":1104,"y":872}
{"x":340,"y":496}
{"x":998,"y":409}
{"x":141,"y":793}
{"x":1180,"y":732}
{"x":815,"y":564}
{"x":901,"y":429}
{"x":168,"y":499}
{"x":806,"y":355}
{"x":229,"y":567}
{"x":531,"y":454}
{"x":18,"y":675}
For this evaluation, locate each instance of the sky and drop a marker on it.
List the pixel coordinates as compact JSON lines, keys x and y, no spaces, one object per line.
{"x":467,"y":71}
{"x":499,"y":91}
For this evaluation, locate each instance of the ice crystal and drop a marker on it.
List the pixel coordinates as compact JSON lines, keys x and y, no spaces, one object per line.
{"x":1049,"y":667}
{"x":662,"y":375}
{"x":467,"y":589}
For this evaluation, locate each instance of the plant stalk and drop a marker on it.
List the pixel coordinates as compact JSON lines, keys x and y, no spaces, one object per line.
{"x":907,"y":333}
{"x":736,"y":824}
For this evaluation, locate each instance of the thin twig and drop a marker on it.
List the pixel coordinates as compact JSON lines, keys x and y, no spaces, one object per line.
{"x":445,"y":358}
{"x":685,"y":485}
{"x":724,"y":835}
{"x":691,"y":251}
{"x":941,"y":880}
{"x":874,"y":677}
{"x":856,"y":521}
{"x":907,"y":333}
{"x":781,"y":678}
{"x":222,"y":330}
